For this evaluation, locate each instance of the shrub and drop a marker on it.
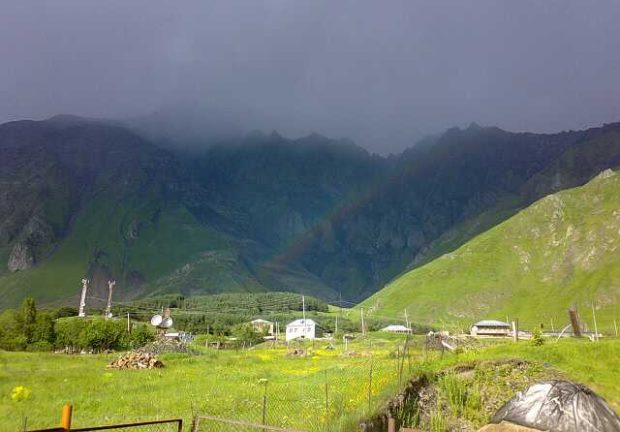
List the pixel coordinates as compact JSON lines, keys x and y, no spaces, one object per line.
{"x":141,"y":334}
{"x":537,"y":337}
{"x":97,"y":334}
{"x":246,"y":333}
{"x":40,"y":346}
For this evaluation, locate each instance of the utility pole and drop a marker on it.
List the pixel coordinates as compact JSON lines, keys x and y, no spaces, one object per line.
{"x":362,"y":315}
{"x":595,"y":326}
{"x":574,"y":319}
{"x":406,"y":318}
{"x":108,"y":309}
{"x":82,"y":312}
{"x":128,"y":324}
{"x":515,"y":330}
{"x":336,"y":329}
{"x":303,"y":309}
{"x":616,"y":328}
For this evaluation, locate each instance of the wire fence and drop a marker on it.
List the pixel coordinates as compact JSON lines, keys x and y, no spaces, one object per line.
{"x":174,"y":425}
{"x":298,"y":394}
{"x":317,"y":400}
{"x":217,"y":424}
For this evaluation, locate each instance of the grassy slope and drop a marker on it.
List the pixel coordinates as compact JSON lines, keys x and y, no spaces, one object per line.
{"x":170,"y":252}
{"x":562,"y":250}
{"x":99,"y":238}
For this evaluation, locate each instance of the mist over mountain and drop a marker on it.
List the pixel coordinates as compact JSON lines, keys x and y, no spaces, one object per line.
{"x":259,"y":213}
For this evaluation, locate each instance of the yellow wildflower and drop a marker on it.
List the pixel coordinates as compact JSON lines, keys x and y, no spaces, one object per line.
{"x":20,"y":393}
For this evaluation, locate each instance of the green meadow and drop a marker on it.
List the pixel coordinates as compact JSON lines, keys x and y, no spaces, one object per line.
{"x":319,"y":389}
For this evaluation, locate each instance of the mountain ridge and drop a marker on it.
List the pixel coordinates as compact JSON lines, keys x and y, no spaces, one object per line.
{"x":560,"y":252}
{"x":313,"y":214}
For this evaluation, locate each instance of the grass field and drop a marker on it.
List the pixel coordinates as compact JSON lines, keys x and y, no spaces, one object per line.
{"x":320,"y":390}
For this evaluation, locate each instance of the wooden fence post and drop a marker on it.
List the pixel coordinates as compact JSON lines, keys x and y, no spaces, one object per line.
{"x":65,"y":421}
{"x":574,"y":319}
{"x":515,"y":330}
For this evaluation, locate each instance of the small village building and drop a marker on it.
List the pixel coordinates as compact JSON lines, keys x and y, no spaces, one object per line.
{"x":301,"y":328}
{"x":490,"y":328}
{"x":262,"y":326}
{"x":397,"y":328}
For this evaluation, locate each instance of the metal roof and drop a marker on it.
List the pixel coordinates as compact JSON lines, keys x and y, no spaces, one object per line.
{"x":491,"y":323}
{"x":300,"y":322}
{"x":396,"y":327}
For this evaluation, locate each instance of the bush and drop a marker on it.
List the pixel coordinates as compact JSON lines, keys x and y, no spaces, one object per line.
{"x":101,"y":334}
{"x":96,"y":334}
{"x":40,"y":346}
{"x":537,"y":337}
{"x":247,"y":334}
{"x":141,"y":334}
{"x":68,"y":333}
{"x":14,"y":342}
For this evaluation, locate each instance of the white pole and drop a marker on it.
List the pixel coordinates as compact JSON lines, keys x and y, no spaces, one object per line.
{"x":82,"y":312}
{"x":616,"y":327}
{"x":406,"y":318}
{"x":362,"y":315}
{"x":108,"y":310}
{"x":336,"y":330}
{"x":595,"y":326}
{"x":303,"y":308}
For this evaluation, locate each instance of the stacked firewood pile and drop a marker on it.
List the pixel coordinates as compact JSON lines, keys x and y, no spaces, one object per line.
{"x":136,"y":360}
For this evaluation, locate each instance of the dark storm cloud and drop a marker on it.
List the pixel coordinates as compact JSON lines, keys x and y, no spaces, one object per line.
{"x":381,"y":73}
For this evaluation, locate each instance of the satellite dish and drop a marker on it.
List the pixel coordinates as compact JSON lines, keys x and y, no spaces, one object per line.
{"x":166,"y":323}
{"x":156,"y":320}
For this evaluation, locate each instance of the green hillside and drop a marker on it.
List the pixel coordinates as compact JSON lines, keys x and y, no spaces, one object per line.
{"x":90,"y":198}
{"x":562,"y":250}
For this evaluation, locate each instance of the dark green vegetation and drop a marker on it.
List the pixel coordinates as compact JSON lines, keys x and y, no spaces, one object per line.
{"x":563,"y":250}
{"x":311,"y":215}
{"x":229,"y":314}
{"x":29,"y":329}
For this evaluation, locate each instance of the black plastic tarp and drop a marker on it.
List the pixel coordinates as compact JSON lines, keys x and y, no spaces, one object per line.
{"x":559,"y":406}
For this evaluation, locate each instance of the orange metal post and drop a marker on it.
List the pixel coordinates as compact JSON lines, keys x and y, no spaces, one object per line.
{"x":65,"y":422}
{"x":391,"y":424}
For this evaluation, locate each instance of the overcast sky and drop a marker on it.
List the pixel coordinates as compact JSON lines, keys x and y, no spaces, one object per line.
{"x":383,"y":73}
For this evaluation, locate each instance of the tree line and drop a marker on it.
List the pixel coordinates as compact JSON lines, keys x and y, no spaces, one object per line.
{"x":29,"y":329}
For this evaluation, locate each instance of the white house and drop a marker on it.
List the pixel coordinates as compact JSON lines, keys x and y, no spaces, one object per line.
{"x":490,"y":328}
{"x":301,"y":329}
{"x":261,"y":325}
{"x":396,"y":328}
